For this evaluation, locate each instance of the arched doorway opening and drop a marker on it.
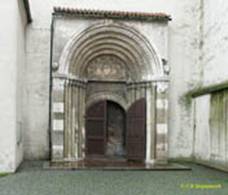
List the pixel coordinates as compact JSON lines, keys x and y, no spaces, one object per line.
{"x":105,"y":130}
{"x":112,"y":132}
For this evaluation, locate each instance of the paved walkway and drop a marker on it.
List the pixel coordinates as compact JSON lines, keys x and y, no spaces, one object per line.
{"x":31,"y":179}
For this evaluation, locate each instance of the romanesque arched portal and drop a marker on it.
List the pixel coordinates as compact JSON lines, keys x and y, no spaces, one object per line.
{"x":108,"y":60}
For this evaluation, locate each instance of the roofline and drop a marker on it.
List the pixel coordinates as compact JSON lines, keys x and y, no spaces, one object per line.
{"x":27,"y":10}
{"x":89,"y":13}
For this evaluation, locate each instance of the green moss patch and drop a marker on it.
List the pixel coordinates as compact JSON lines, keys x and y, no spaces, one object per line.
{"x":3,"y":174}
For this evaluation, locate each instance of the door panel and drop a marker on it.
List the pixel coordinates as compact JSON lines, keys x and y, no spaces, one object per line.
{"x":96,"y":129}
{"x":136,"y":124}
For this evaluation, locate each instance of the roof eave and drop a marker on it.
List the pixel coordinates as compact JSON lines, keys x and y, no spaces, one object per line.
{"x":27,"y":10}
{"x":161,"y":17}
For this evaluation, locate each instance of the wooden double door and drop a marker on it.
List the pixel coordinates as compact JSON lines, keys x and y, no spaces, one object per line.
{"x":111,"y":131}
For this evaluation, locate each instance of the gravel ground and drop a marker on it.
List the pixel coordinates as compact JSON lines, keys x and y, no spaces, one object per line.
{"x":31,"y":179}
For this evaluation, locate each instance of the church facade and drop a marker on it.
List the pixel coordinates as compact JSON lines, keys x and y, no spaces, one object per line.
{"x":144,"y":82}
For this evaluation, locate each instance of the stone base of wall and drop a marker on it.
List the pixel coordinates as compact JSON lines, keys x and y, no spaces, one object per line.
{"x":213,"y":165}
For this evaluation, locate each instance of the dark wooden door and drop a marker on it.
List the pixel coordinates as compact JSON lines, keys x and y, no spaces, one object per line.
{"x":136,"y":132}
{"x":96,"y":129}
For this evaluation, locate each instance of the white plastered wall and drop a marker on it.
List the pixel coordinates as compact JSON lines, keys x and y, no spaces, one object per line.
{"x":210,"y":139}
{"x":202,"y":129}
{"x":215,"y":42}
{"x":13,"y":20}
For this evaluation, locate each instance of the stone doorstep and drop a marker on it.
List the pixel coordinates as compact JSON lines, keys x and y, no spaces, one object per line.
{"x":112,"y":165}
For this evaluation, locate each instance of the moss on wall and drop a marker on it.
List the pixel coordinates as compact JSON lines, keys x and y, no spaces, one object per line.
{"x":4,"y":174}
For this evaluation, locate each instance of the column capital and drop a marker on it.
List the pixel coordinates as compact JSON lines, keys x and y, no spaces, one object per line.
{"x":162,"y":87}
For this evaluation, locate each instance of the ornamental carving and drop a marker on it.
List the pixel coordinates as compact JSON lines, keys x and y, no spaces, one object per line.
{"x":162,"y":87}
{"x":106,"y":67}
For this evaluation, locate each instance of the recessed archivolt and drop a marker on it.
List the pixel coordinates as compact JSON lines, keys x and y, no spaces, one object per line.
{"x":111,"y":47}
{"x":112,"y":39}
{"x":119,"y":45}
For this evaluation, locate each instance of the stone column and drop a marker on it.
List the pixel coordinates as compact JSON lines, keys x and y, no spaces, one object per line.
{"x":66,"y":108}
{"x":161,"y":122}
{"x":131,"y":94}
{"x":71,"y":121}
{"x":81,"y":120}
{"x":150,"y":123}
{"x":129,"y":97}
{"x":142,"y":90}
{"x":74,"y":121}
{"x":137,"y":91}
{"x":67,"y":120}
{"x":83,"y":112}
{"x":79,"y":111}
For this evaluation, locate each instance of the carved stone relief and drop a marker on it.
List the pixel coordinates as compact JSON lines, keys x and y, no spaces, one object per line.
{"x":106,"y":67}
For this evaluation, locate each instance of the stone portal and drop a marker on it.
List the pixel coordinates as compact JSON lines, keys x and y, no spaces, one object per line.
{"x":111,"y":60}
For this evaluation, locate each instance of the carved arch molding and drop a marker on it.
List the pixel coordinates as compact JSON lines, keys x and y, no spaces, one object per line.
{"x":106,"y":61}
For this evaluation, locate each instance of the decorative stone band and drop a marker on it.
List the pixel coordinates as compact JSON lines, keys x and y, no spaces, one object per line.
{"x":58,"y":125}
{"x":57,"y":118}
{"x":162,"y":104}
{"x":58,"y":107}
{"x":57,"y":151}
{"x":161,"y":122}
